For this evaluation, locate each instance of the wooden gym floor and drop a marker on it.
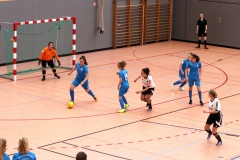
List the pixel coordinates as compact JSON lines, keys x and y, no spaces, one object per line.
{"x":172,"y":130}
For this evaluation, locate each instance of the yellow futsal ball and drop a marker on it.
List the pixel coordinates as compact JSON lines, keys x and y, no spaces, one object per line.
{"x":70,"y":105}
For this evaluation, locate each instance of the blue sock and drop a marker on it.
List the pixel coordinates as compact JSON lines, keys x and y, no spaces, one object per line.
{"x":124,"y":100}
{"x":121,"y":103}
{"x":183,"y":84}
{"x":200,"y":95}
{"x":190,"y":95}
{"x":91,"y":93}
{"x":72,"y":95}
{"x":177,"y":82}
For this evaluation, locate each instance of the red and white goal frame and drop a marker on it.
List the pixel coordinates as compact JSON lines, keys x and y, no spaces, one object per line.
{"x":16,"y":24}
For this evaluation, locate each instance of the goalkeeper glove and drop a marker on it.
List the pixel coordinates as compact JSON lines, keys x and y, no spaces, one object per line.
{"x":39,"y":61}
{"x":59,"y":63}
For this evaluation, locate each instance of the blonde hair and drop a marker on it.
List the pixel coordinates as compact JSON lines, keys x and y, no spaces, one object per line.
{"x":213,"y":93}
{"x":122,"y":64}
{"x":23,"y":146}
{"x":3,"y":144}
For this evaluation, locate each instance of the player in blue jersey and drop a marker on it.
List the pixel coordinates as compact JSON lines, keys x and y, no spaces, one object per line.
{"x":182,"y":69}
{"x":81,"y":78}
{"x":123,"y":86}
{"x":24,"y":151}
{"x":3,"y":145}
{"x":194,"y":72}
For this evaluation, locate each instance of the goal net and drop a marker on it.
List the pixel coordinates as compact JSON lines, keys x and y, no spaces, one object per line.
{"x":25,"y":42}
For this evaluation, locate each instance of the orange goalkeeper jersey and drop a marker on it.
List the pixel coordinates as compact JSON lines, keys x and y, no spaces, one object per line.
{"x":48,"y":54}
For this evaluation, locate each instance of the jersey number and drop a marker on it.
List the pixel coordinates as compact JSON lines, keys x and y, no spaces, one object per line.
{"x":126,"y":77}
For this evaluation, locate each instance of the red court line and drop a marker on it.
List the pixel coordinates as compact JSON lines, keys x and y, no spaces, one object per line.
{"x":132,"y":109}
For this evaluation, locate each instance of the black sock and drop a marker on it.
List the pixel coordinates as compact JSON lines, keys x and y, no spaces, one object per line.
{"x":205,"y":43}
{"x":43,"y":72}
{"x":209,"y":131}
{"x":199,"y":42}
{"x":218,"y":137}
{"x":54,"y":71}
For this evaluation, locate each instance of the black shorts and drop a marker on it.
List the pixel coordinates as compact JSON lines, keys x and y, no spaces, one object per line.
{"x":215,"y":119}
{"x":50,"y":64}
{"x":202,"y":33}
{"x":149,"y":91}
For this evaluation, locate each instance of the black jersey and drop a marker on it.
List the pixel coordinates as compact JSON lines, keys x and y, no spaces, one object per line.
{"x":202,"y":24}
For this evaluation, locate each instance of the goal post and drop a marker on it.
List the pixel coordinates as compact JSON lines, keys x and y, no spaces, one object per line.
{"x":30,"y":37}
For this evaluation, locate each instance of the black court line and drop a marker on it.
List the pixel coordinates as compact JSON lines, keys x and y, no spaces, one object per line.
{"x":228,"y":134}
{"x":57,"y":153}
{"x":70,"y":144}
{"x":106,"y":153}
{"x":121,"y":126}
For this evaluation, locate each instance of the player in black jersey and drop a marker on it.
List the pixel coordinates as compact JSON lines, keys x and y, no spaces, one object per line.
{"x":202,"y":31}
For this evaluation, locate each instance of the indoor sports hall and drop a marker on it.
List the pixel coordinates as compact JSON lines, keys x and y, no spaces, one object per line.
{"x":37,"y":106}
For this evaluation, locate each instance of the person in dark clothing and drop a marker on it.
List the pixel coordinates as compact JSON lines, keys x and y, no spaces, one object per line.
{"x":202,"y":31}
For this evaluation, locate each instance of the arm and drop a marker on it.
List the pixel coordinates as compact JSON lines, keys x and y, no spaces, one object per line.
{"x":85,"y":79}
{"x":137,"y":78}
{"x":41,"y":56}
{"x":180,"y":68}
{"x":206,"y":28}
{"x":200,"y":73}
{"x":186,"y":74}
{"x":74,"y":68}
{"x":119,"y":83}
{"x":197,"y":29}
{"x":56,"y":56}
{"x":211,"y":112}
{"x":142,"y":90}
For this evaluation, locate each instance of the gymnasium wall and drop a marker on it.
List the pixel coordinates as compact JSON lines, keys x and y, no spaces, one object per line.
{"x":226,"y":32}
{"x":88,"y":37}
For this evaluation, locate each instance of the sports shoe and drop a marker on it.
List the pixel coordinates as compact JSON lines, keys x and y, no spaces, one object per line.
{"x":43,"y":78}
{"x":173,"y":86}
{"x":198,"y":47}
{"x":126,"y":106}
{"x":190,"y":102}
{"x":121,"y":111}
{"x":181,"y":89}
{"x":95,"y":98}
{"x":148,"y":104}
{"x":205,"y":47}
{"x":55,"y":75}
{"x":201,"y":103}
{"x":150,"y":107}
{"x":219,"y":143}
{"x":209,"y":136}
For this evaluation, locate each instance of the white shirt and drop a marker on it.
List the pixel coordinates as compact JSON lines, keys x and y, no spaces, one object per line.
{"x":148,"y":82}
{"x":214,"y":105}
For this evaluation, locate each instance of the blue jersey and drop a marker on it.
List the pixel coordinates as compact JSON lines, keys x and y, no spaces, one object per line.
{"x":81,"y":71}
{"x":184,"y":64}
{"x":194,"y":69}
{"x":5,"y":157}
{"x":28,"y":156}
{"x":124,"y":75}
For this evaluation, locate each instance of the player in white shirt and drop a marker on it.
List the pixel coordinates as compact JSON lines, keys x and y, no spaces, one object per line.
{"x":215,"y":116}
{"x":148,"y":87}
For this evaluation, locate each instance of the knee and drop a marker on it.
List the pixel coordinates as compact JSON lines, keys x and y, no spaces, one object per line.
{"x":86,"y":90}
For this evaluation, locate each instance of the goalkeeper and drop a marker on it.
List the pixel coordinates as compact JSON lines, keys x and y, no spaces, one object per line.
{"x":46,"y":57}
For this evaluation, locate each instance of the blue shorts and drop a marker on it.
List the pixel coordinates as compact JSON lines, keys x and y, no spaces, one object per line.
{"x":192,"y":81}
{"x":77,"y":81}
{"x":182,"y":76}
{"x":123,"y":90}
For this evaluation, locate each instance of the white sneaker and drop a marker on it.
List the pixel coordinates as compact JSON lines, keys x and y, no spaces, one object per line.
{"x":181,"y":89}
{"x":173,"y":86}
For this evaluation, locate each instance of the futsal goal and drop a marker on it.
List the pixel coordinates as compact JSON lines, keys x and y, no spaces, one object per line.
{"x":24,"y":43}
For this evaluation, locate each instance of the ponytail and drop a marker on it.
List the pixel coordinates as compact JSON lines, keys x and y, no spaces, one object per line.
{"x":85,"y":60}
{"x":196,"y":57}
{"x":23,"y":146}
